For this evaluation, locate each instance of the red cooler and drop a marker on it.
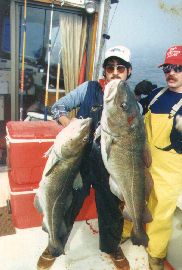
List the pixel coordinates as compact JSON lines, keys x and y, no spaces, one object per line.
{"x":27,"y":143}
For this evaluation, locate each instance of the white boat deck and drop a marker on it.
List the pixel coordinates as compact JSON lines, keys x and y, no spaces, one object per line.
{"x":21,"y":251}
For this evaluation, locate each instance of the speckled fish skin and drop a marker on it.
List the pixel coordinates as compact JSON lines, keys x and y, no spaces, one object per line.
{"x":122,"y":146}
{"x":54,"y":194}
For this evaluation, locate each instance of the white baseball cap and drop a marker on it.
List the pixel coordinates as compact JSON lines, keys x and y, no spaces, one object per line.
{"x":120,"y":52}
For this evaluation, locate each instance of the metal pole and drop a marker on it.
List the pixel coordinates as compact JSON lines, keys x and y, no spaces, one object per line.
{"x":48,"y":64}
{"x":58,"y":77}
{"x":23,"y":61}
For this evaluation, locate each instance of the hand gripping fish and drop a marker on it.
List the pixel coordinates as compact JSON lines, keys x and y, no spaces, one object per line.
{"x":122,"y":147}
{"x":54,"y":195}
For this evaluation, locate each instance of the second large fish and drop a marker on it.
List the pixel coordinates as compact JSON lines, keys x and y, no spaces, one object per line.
{"x":54,"y":195}
{"x":122,"y":147}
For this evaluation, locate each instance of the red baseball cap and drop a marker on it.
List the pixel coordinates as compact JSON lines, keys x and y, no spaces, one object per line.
{"x":173,"y":56}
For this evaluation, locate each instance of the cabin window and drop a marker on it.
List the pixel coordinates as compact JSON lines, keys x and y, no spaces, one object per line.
{"x":5,"y":45}
{"x":68,"y":40}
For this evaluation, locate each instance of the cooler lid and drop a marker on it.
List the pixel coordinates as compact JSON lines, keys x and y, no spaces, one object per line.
{"x":33,"y":129}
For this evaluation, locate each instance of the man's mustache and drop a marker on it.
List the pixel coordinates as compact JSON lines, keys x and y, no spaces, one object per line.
{"x":171,"y":77}
{"x":115,"y":77}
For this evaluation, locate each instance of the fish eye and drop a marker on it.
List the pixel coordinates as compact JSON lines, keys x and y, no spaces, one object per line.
{"x":124,"y":106}
{"x":85,"y":139}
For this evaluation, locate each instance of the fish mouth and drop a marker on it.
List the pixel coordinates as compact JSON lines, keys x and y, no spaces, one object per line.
{"x":109,"y":90}
{"x":112,"y":89}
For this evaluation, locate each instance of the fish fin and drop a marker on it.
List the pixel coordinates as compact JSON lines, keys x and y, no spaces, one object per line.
{"x":147,"y":156}
{"x":37,"y":204}
{"x":140,"y":237}
{"x":126,"y":215}
{"x":47,"y":153}
{"x":44,"y":227}
{"x":115,"y":189}
{"x":148,"y":183}
{"x":109,"y":142}
{"x":51,"y":162}
{"x":78,"y":183}
{"x":49,"y":169}
{"x":97,"y":134}
{"x":147,"y":217}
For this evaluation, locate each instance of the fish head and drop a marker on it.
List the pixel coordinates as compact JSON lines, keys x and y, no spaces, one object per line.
{"x":120,"y":105}
{"x":77,"y":136}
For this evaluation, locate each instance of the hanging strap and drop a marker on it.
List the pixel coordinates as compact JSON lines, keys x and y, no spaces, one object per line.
{"x":157,"y":96}
{"x":175,"y":108}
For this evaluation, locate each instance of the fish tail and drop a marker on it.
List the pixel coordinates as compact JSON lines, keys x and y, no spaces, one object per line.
{"x":55,"y":251}
{"x":140,"y":238}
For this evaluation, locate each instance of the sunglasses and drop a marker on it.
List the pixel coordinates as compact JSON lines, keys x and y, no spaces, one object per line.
{"x":111,"y":68}
{"x":168,"y":68}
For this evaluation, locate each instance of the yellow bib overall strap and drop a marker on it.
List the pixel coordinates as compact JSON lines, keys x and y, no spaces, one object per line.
{"x":157,"y":96}
{"x":167,"y":177}
{"x":175,"y":108}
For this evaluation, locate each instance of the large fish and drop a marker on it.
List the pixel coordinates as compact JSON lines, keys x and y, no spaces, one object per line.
{"x":54,"y":195}
{"x":122,"y":147}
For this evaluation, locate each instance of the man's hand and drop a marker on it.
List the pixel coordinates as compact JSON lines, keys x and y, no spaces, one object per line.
{"x":64,"y":120}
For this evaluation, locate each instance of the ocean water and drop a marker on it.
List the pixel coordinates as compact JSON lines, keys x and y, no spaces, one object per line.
{"x":145,"y":67}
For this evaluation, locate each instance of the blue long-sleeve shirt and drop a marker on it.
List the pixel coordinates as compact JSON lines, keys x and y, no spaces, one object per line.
{"x":69,"y":102}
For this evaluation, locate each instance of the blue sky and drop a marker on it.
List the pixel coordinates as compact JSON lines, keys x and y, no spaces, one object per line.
{"x":148,"y":28}
{"x":146,"y":23}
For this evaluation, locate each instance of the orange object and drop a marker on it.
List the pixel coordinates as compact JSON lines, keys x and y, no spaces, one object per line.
{"x":88,"y":210}
{"x":82,"y":70}
{"x":168,"y":266}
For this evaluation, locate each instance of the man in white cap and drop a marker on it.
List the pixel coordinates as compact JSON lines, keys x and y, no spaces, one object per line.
{"x":89,"y":98}
{"x":164,"y":135}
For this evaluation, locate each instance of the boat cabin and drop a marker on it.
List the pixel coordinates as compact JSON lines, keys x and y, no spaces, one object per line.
{"x":46,"y":45}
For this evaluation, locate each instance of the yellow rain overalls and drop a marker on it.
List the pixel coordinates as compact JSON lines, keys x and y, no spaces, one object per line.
{"x":166,"y":171}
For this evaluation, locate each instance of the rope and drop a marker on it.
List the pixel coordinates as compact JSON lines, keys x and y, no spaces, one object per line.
{"x":113,"y":17}
{"x":94,"y":231}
